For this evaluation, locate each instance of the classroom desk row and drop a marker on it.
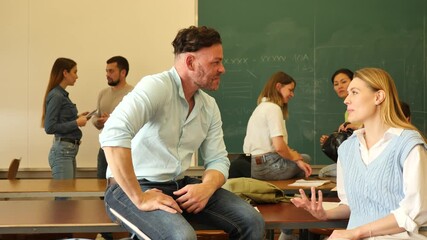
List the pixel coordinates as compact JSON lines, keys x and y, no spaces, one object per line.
{"x":90,"y":187}
{"x":33,"y":188}
{"x":88,"y":215}
{"x":49,"y":216}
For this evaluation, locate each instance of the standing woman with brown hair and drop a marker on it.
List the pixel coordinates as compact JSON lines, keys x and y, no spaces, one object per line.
{"x":61,"y":119}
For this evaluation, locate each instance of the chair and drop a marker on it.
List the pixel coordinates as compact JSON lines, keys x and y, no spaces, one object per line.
{"x":13,"y":168}
{"x":240,"y":165}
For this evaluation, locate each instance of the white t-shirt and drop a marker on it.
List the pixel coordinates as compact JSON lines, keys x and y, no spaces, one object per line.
{"x":265,"y":123}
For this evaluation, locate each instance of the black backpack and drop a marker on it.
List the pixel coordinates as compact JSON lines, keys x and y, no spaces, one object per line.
{"x":330,"y":146}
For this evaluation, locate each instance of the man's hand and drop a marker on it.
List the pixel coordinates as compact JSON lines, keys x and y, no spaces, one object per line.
{"x":194,"y":197}
{"x":154,"y":199}
{"x":100,"y":121}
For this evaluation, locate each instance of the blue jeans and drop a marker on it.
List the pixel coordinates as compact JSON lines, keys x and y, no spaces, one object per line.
{"x":62,"y":159}
{"x":328,"y":171}
{"x":274,"y":167}
{"x":224,"y":211}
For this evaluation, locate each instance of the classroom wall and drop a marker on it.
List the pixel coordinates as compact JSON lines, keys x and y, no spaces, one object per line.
{"x":35,"y":33}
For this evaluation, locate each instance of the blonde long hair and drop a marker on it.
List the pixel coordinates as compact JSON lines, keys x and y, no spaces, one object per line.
{"x":391,"y":112}
{"x":270,"y":91}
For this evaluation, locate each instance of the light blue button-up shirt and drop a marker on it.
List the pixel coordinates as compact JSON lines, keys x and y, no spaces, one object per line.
{"x":152,"y":121}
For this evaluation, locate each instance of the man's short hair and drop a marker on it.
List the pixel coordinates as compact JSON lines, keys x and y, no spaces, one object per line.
{"x":122,"y":63}
{"x":194,"y":38}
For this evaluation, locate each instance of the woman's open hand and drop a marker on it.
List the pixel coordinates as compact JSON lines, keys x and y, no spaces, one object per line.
{"x":313,"y":206}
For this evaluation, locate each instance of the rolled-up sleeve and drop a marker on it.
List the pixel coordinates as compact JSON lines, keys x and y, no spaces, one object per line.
{"x":128,"y":117}
{"x":213,"y":148}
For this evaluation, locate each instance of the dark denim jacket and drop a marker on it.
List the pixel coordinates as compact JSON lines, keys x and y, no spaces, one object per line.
{"x":61,"y":115}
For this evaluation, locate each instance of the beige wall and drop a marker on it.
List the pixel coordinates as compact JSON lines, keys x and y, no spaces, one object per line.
{"x":35,"y":33}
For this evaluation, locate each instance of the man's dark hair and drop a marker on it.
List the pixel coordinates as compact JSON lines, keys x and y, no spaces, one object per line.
{"x":122,"y":63}
{"x":194,"y":38}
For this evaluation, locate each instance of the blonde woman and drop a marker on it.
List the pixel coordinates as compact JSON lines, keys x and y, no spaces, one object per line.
{"x":381,"y":167}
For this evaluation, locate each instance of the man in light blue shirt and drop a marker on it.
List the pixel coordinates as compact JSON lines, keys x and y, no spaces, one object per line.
{"x":149,"y":140}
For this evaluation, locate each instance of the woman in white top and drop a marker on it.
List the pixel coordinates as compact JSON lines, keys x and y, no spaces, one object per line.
{"x":266,"y":136}
{"x":381,"y":168}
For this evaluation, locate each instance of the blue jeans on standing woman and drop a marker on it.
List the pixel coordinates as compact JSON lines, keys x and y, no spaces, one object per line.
{"x":62,"y":159}
{"x":224,"y":211}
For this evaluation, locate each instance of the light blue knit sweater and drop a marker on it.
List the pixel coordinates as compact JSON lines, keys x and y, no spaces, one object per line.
{"x":375,"y":190}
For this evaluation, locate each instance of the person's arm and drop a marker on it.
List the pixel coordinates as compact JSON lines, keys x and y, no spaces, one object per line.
{"x":96,"y":116}
{"x":413,"y":208}
{"x":283,"y":149}
{"x":125,"y":122}
{"x":99,"y":121}
{"x":384,"y":226}
{"x":53,"y":109}
{"x":408,"y":217}
{"x":315,"y":206}
{"x":194,"y":197}
{"x":120,"y":163}
{"x":285,"y":152}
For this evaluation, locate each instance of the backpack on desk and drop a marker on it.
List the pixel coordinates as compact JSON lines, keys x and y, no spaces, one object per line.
{"x":330,"y":146}
{"x":255,"y":191}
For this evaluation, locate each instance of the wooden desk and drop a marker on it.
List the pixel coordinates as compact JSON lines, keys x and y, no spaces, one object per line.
{"x":50,"y":216}
{"x":286,"y":215}
{"x":28,"y":188}
{"x":68,"y":216}
{"x":87,"y":215}
{"x":284,"y":185}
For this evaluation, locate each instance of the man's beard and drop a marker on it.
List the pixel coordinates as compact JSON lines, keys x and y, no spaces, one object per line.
{"x":114,"y":83}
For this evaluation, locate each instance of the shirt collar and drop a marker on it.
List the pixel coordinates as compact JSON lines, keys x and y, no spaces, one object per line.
{"x":178,"y":83}
{"x":389,"y":134}
{"x":63,"y":91}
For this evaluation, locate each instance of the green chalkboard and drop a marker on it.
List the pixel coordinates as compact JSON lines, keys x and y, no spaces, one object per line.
{"x":310,"y":39}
